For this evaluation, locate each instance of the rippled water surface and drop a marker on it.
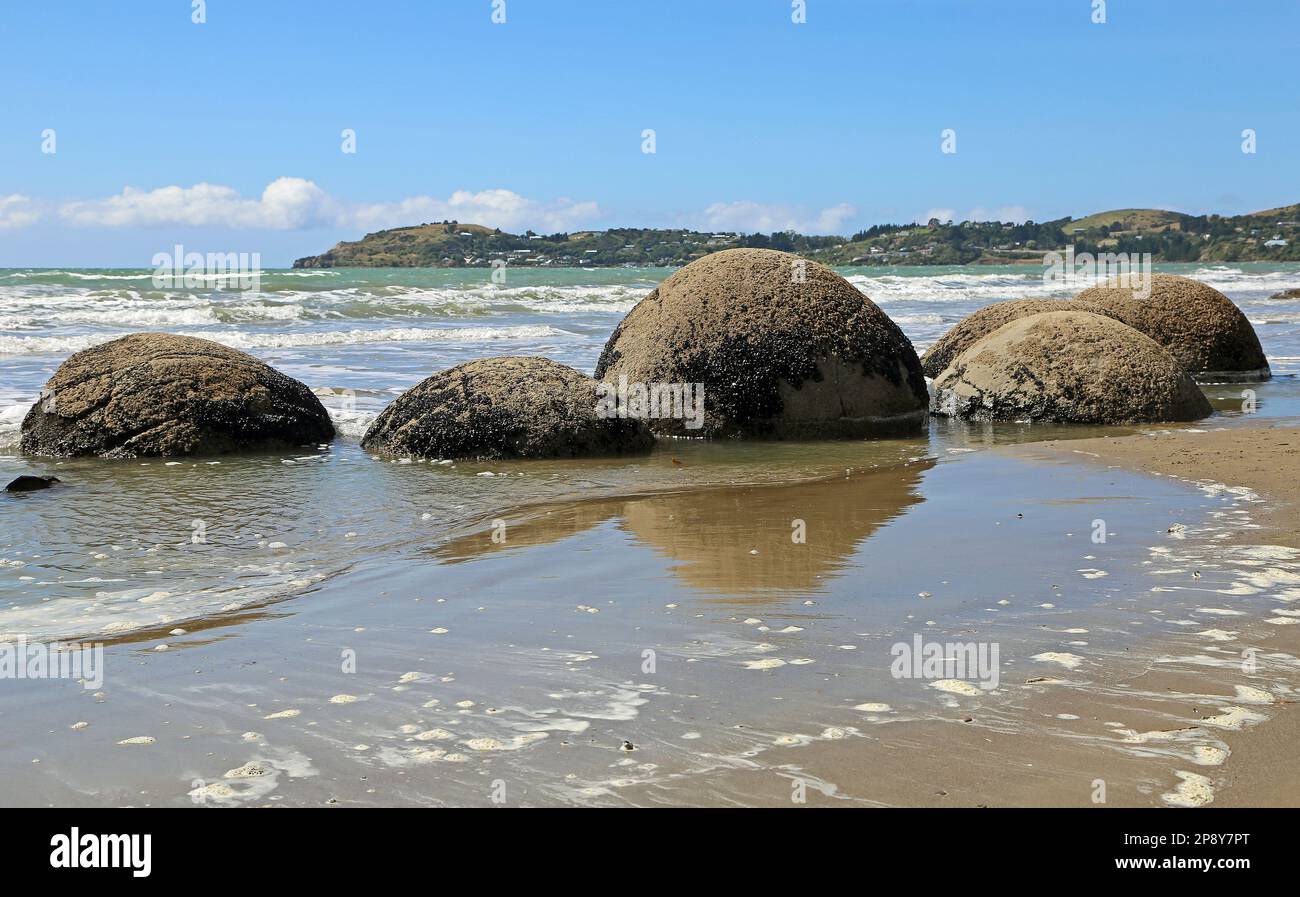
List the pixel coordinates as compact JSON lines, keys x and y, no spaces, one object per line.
{"x":128,"y":546}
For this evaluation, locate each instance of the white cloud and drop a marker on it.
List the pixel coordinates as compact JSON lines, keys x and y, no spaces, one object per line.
{"x":285,"y":204}
{"x":941,"y":214}
{"x":744,"y":215}
{"x":495,"y":208}
{"x":1017,"y":214}
{"x":293,"y":203}
{"x":16,"y":210}
{"x":1014,"y":214}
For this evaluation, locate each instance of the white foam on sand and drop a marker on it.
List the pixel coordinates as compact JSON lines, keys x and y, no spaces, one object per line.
{"x":1069,"y":661}
{"x":1195,"y":790}
{"x":514,"y":743}
{"x":956,"y":687}
{"x":1208,"y":755}
{"x":1234,"y":718}
{"x":1247,"y":694}
{"x":255,"y":779}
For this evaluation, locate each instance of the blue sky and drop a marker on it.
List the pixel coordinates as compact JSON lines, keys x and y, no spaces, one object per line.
{"x":759,"y":123}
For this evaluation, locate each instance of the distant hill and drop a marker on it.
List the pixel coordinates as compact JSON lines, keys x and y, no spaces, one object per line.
{"x":1129,"y":220}
{"x":1291,"y":212}
{"x":422,"y":246}
{"x":1272,"y":235}
{"x":450,"y":244}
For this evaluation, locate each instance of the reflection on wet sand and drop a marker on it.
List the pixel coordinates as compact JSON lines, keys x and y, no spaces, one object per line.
{"x":748,"y":542}
{"x":537,"y":526}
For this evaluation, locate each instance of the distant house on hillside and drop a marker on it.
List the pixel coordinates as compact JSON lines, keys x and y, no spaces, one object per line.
{"x":1276,"y":241}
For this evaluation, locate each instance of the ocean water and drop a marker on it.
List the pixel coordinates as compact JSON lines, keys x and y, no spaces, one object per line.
{"x":131,"y":546}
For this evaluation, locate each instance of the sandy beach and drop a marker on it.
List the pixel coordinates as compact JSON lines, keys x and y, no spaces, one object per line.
{"x":1174,"y":721}
{"x":701,"y":657}
{"x":1266,"y":459}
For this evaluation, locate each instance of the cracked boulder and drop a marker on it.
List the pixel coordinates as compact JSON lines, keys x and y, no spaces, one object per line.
{"x":1067,"y":367}
{"x":783,"y":348}
{"x":980,"y":323}
{"x":508,"y":407}
{"x":158,"y":394}
{"x":1203,"y":329}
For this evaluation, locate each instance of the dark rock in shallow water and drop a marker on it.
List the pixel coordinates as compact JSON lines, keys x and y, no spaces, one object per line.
{"x":784,"y":348}
{"x":1068,"y":367}
{"x":508,"y":407}
{"x":161,"y":394}
{"x":29,"y":483}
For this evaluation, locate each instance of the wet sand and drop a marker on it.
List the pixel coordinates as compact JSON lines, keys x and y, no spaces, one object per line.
{"x":473,"y":669}
{"x":1264,"y":766}
{"x":1176,"y":721}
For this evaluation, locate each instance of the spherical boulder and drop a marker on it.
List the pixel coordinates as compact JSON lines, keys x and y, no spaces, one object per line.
{"x":980,"y":323}
{"x":1203,"y":329}
{"x":782,"y":347}
{"x":152,"y":394}
{"x":507,"y":407}
{"x":1068,"y":367}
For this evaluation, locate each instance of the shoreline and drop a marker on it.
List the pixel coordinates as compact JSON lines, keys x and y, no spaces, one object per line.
{"x":549,"y":666}
{"x":1173,"y":724}
{"x":1265,"y":458}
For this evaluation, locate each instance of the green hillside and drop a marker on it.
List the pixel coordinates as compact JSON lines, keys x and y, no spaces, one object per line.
{"x":1272,"y":235}
{"x":1129,"y":220}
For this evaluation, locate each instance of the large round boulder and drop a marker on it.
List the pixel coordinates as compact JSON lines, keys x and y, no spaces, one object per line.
{"x":980,"y":323}
{"x":1203,"y":329}
{"x":162,"y":394}
{"x":1068,"y":367}
{"x":508,"y":407}
{"x":783,"y":348}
